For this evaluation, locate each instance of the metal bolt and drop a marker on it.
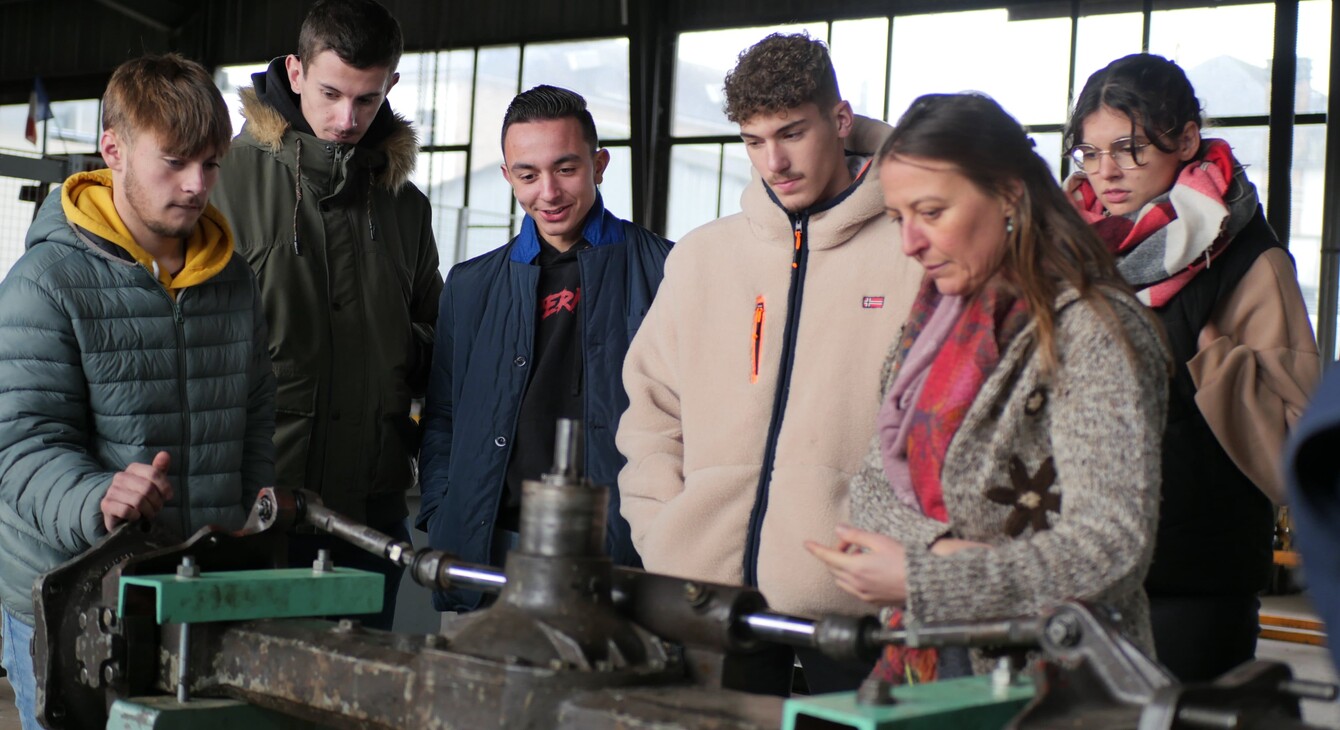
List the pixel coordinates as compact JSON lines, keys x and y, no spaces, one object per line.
{"x":1064,"y":630}
{"x":434,"y":641}
{"x":1002,"y":677}
{"x":110,"y":673}
{"x":83,"y":620}
{"x":694,"y":593}
{"x":322,"y":563}
{"x":108,"y":618}
{"x":188,"y":568}
{"x":556,"y":664}
{"x":347,"y":625}
{"x":84,"y":677}
{"x":265,"y":508}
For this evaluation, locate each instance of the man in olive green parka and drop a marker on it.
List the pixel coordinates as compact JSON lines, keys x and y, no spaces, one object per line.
{"x":317,"y":189}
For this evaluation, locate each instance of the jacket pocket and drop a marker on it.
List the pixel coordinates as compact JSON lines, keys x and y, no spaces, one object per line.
{"x":295,"y":413}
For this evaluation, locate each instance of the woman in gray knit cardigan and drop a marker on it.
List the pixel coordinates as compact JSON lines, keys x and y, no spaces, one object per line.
{"x":1016,"y":459}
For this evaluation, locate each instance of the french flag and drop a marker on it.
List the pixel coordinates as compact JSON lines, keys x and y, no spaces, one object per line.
{"x":39,"y":109}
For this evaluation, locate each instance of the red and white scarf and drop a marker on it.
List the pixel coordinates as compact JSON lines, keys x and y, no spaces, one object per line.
{"x":1178,"y":234}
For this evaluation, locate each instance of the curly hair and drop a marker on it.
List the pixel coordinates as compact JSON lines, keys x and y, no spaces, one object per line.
{"x":778,"y":73}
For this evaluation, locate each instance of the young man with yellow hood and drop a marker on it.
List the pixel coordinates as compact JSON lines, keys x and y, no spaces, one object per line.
{"x":132,"y":348}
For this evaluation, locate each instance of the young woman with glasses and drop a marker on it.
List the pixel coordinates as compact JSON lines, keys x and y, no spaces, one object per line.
{"x":1184,"y":222}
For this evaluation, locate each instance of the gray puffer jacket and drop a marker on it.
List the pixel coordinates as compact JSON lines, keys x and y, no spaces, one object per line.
{"x":101,"y":367}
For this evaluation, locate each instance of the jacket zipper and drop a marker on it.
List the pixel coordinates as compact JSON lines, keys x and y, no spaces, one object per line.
{"x":183,"y":457}
{"x":757,"y":347}
{"x":799,"y":261}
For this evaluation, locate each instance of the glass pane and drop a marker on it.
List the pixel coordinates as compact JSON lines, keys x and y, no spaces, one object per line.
{"x":1225,"y":51}
{"x":1309,"y":188}
{"x":230,"y":79}
{"x":1102,"y":39}
{"x":13,"y":123}
{"x":436,"y":100}
{"x":441,"y":176}
{"x":412,"y":96}
{"x":694,"y":170}
{"x":1314,"y":55}
{"x":859,"y":50}
{"x":15,"y":217}
{"x":497,"y":78}
{"x":736,"y":170}
{"x":1251,"y":147}
{"x":596,"y":69}
{"x":700,"y":68}
{"x":1048,"y":147}
{"x":74,"y":127}
{"x":1026,"y":69}
{"x":617,"y":189}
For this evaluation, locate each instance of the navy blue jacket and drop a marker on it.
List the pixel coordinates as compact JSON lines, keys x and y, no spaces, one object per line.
{"x":1312,"y":473}
{"x":481,"y":359}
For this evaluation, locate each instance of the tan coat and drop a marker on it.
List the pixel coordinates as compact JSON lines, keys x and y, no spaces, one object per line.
{"x":697,"y":425}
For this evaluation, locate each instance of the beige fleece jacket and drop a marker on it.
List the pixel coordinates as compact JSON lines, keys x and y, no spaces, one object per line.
{"x":700,"y":410}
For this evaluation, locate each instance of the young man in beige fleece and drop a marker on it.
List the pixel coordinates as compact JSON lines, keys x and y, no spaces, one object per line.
{"x":754,"y":381}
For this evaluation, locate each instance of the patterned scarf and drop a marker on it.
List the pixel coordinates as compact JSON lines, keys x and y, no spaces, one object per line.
{"x":1178,"y":234}
{"x":990,"y":319}
{"x":970,"y":353}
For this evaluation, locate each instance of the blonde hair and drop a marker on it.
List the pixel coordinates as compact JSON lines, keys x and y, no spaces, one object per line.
{"x":171,"y":96}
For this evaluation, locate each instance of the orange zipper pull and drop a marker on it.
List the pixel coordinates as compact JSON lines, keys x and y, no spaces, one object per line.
{"x":758,"y":338}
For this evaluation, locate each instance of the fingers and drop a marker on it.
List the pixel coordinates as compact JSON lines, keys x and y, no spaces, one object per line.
{"x":115,"y":512}
{"x":859,"y":541}
{"x":140,"y":491}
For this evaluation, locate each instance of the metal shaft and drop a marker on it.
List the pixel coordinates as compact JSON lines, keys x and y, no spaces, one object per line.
{"x":767,"y":626}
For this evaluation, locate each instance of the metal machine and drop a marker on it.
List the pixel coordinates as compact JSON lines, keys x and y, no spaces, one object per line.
{"x":215,"y":632}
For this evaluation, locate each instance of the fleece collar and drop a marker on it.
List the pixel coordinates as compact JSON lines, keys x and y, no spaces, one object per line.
{"x":272,"y":109}
{"x":86,"y":199}
{"x":600,"y":229}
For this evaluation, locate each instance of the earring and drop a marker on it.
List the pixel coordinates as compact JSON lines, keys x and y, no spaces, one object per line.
{"x":1009,"y":225}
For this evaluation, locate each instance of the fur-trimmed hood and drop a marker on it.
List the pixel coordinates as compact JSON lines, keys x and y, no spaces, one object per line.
{"x":267,"y":126}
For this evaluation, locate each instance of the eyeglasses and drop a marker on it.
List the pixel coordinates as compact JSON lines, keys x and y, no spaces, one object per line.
{"x":1125,"y":153}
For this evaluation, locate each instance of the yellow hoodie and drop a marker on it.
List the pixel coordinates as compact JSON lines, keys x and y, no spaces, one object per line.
{"x":87,"y":200}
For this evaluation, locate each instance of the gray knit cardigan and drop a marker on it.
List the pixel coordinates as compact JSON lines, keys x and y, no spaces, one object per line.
{"x":1090,"y":434}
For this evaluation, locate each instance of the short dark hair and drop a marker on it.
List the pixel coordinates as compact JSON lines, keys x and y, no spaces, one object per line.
{"x":361,"y":32}
{"x":545,"y":102}
{"x":778,"y":73}
{"x":1153,"y":91}
{"x":171,"y":96}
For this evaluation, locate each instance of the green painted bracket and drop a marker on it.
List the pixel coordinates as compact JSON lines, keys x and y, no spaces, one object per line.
{"x":963,"y":704}
{"x":165,"y":713}
{"x":242,"y":595}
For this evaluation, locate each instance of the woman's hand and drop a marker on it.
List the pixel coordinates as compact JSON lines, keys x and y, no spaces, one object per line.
{"x":867,"y":565}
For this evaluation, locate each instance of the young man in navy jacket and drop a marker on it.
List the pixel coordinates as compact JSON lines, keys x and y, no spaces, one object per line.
{"x":532,"y":332}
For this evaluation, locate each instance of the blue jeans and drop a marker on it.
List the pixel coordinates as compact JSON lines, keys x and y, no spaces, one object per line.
{"x":19,"y":663}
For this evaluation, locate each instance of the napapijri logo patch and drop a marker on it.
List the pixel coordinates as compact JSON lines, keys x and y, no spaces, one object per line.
{"x":872,"y":302}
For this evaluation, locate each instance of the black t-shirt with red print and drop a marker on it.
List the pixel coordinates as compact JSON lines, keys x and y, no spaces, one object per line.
{"x":555,"y":387}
